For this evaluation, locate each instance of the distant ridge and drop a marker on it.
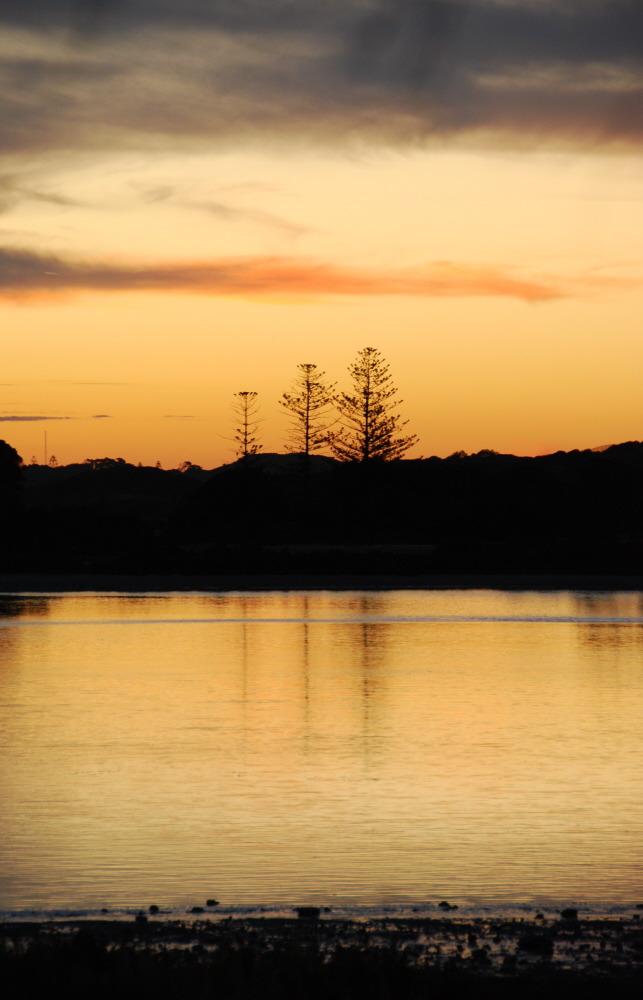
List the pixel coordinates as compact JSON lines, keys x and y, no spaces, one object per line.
{"x":577,"y":512}
{"x":627,"y":452}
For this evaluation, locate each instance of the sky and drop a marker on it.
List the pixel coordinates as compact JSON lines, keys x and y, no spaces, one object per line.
{"x":197,"y":196}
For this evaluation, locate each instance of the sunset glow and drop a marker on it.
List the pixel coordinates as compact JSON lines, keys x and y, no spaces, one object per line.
{"x":218,"y":195}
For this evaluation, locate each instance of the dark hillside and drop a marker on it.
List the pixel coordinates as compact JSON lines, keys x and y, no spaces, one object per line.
{"x":110,"y":484}
{"x":577,"y":511}
{"x":100,"y":514}
{"x":574,"y":512}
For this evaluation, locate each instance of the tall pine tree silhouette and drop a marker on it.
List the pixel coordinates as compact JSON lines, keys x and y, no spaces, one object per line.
{"x":245,"y":410}
{"x":310,"y":404}
{"x":370,"y":427}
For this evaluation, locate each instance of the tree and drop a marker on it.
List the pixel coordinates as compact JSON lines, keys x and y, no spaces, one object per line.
{"x":245,"y":411}
{"x":369,"y":426}
{"x":11,"y":503}
{"x":310,"y":403}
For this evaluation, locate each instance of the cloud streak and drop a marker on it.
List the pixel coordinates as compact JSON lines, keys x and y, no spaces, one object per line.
{"x":19,"y":418}
{"x":385,"y":71}
{"x":12,"y":193}
{"x":25,"y":276}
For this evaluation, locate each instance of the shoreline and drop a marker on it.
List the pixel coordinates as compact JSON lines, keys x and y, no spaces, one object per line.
{"x":406,"y":957}
{"x":52,"y":583}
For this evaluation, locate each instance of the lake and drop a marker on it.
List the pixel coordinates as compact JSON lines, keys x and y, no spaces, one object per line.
{"x":364,"y":751}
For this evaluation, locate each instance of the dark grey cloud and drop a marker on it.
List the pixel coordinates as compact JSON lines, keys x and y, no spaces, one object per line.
{"x":93,"y":73}
{"x":100,"y":416}
{"x":18,"y":418}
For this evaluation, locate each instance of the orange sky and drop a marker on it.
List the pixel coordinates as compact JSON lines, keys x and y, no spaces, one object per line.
{"x":147,"y":273}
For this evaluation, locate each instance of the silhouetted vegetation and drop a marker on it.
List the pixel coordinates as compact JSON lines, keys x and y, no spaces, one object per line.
{"x":310,"y":404}
{"x":575,"y":512}
{"x":11,"y":503}
{"x":245,"y":412}
{"x":369,"y":427}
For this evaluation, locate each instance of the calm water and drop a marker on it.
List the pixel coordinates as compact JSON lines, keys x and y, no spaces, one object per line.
{"x":353,"y":749}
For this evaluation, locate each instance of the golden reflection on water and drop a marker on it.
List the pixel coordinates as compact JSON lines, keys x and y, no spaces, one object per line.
{"x":169,"y":748}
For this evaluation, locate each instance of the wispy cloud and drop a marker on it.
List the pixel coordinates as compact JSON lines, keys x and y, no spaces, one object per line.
{"x":228,"y":213}
{"x":12,"y":192}
{"x":221,"y":210}
{"x":100,"y":416}
{"x":27,"y":275}
{"x":18,"y":418}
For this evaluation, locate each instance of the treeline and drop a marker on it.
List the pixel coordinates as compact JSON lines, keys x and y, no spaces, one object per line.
{"x":575,"y":512}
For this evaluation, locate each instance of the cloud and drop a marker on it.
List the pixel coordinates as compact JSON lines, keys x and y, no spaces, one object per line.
{"x":12,"y":192}
{"x":230,"y":214}
{"x":26,"y":275}
{"x":100,"y":416}
{"x":18,"y":418}
{"x":385,"y":71}
{"x":227,"y":213}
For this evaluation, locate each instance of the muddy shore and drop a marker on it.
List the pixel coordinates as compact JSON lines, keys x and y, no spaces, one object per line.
{"x":297,"y":958}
